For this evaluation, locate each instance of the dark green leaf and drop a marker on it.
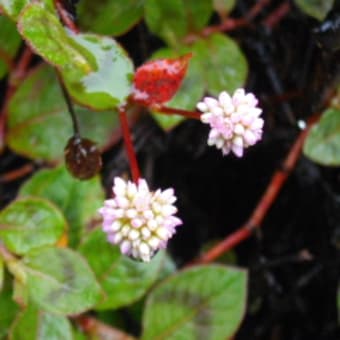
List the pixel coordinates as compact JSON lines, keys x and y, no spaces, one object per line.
{"x":205,"y":302}
{"x":315,"y":8}
{"x":123,"y":280}
{"x":78,"y":200}
{"x":38,"y":121}
{"x":32,"y":324}
{"x":190,"y":91}
{"x":223,"y":65}
{"x":323,"y":142}
{"x":9,"y":44}
{"x":8,"y":309}
{"x":173,"y":20}
{"x":93,"y":16}
{"x":30,"y":223}
{"x":96,"y":69}
{"x":60,"y":281}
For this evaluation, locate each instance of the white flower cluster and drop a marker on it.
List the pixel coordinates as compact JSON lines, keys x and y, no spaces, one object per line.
{"x":234,"y":121}
{"x":138,"y":220}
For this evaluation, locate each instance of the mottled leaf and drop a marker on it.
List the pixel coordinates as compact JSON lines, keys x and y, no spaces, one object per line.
{"x":96,"y":70}
{"x":60,"y":281}
{"x":223,"y":65}
{"x":38,"y":121}
{"x":30,"y":223}
{"x":33,"y":324}
{"x":157,"y":81}
{"x":110,"y":17}
{"x":9,"y":44}
{"x":173,"y":20}
{"x":323,"y":142}
{"x":123,"y":280}
{"x":315,"y":8}
{"x":204,"y":302}
{"x":78,"y":200}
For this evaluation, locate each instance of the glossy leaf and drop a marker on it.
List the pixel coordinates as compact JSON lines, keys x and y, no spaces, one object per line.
{"x":9,"y":44}
{"x":323,"y":142}
{"x":223,"y":65}
{"x":38,"y":121}
{"x":30,"y":223}
{"x":189,"y":93}
{"x":173,"y":20}
{"x":315,"y":8}
{"x":96,"y":70}
{"x":157,"y":81}
{"x":224,"y":6}
{"x":110,"y":17}
{"x":78,"y":200}
{"x":123,"y":280}
{"x":205,"y":302}
{"x":60,"y":281}
{"x":8,"y":310}
{"x":33,"y":324}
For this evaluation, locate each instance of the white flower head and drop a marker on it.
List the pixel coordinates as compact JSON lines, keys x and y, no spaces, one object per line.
{"x":235,"y":121}
{"x":138,"y":220}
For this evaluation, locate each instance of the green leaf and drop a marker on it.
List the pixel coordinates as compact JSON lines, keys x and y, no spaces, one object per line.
{"x":30,"y":223}
{"x":223,"y":6}
{"x":223,"y":65}
{"x":323,"y":142}
{"x":38,"y":121}
{"x":317,"y":9}
{"x":123,"y":280}
{"x":96,"y":70}
{"x":8,"y":309}
{"x":12,"y":8}
{"x":190,"y":91}
{"x":32,"y":324}
{"x":93,"y":16}
{"x":2,"y":273}
{"x":205,"y":302}
{"x":173,"y":20}
{"x":60,"y":281}
{"x":9,"y":44}
{"x":78,"y":200}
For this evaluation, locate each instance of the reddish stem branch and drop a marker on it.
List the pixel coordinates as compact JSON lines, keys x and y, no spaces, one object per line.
{"x":17,"y":173}
{"x":129,"y":146}
{"x":267,"y":200}
{"x":18,"y":73}
{"x":65,"y":17}
{"x":277,"y":15}
{"x":173,"y":111}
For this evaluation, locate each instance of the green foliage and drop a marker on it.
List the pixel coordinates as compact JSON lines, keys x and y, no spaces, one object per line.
{"x":9,"y":44}
{"x":173,"y":20}
{"x":13,"y":7}
{"x":206,"y":302}
{"x":223,"y":7}
{"x":78,"y":200}
{"x":123,"y":280}
{"x":323,"y":142}
{"x":33,"y":324}
{"x":60,"y":281}
{"x":96,"y":70}
{"x":30,"y":223}
{"x":93,"y":16}
{"x":38,"y":123}
{"x":317,"y":9}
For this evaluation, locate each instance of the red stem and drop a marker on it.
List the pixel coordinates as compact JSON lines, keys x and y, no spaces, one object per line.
{"x":17,"y":173}
{"x":173,"y":111}
{"x":267,"y":200}
{"x":277,"y":15}
{"x":65,"y":18}
{"x":129,"y":146}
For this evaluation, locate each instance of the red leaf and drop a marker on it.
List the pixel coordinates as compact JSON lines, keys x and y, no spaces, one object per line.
{"x":156,"y":82}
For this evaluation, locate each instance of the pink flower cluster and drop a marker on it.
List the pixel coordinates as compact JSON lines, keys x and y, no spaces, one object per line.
{"x":235,"y":121}
{"x":138,"y":220}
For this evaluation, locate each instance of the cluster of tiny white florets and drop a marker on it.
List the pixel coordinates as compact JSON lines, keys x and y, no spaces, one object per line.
{"x":234,"y":121}
{"x":138,"y":220}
